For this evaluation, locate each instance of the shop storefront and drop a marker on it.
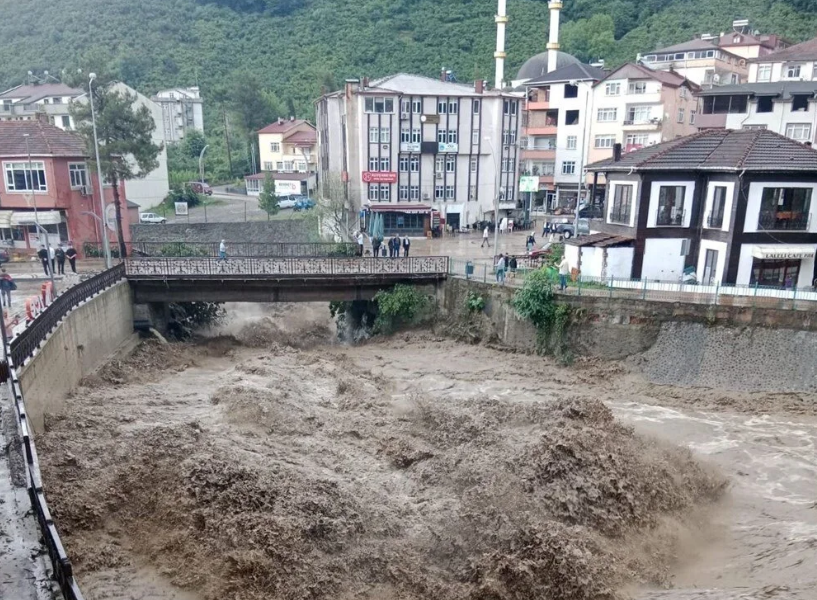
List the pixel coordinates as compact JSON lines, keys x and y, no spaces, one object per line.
{"x":413,"y":220}
{"x":782,"y":266}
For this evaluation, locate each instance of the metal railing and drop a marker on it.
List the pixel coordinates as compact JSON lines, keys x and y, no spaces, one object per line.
{"x":784,"y":221}
{"x":671,"y":218}
{"x":23,"y":347}
{"x":714,"y":221}
{"x":234,"y":249}
{"x":753,"y":296}
{"x":284,"y":267}
{"x":620,"y":216}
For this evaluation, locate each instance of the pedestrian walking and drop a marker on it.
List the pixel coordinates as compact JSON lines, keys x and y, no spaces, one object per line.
{"x":7,"y":286}
{"x":531,"y":243}
{"x":52,"y":255}
{"x":60,"y":260}
{"x":564,"y":271}
{"x":500,"y":270}
{"x":406,"y":245}
{"x":42,"y":254}
{"x":71,"y":255}
{"x":513,"y":265}
{"x":222,"y":250}
{"x":485,"y":239}
{"x":360,"y":239}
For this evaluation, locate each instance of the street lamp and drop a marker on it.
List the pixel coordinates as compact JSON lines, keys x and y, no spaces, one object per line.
{"x":201,"y":165}
{"x":496,"y":194}
{"x":105,"y":245}
{"x":36,"y":215}
{"x":581,"y":157}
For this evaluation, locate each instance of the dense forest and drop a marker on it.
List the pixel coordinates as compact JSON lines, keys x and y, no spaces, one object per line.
{"x":263,"y":58}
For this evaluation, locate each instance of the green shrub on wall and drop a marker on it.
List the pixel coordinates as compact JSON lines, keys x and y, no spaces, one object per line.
{"x":536,"y":302}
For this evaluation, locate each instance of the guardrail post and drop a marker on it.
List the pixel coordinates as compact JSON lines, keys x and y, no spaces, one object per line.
{"x":644,"y":290}
{"x":611,"y":287}
{"x":579,"y":285}
{"x":717,"y":292}
{"x":484,"y":273}
{"x":754,"y":297}
{"x":794,"y":297}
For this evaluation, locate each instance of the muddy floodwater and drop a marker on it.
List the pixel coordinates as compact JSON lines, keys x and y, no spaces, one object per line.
{"x":272,"y":461}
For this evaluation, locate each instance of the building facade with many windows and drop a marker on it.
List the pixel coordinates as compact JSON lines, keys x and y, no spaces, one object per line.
{"x":182,"y":111}
{"x":419,"y":142}
{"x":287,"y":150}
{"x":733,"y":206}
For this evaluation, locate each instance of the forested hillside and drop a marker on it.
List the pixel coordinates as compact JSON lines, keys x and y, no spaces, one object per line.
{"x":289,"y":50}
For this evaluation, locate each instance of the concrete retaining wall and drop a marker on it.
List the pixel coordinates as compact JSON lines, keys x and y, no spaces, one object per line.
{"x":86,"y":338}
{"x":289,"y":231}
{"x":753,"y":349}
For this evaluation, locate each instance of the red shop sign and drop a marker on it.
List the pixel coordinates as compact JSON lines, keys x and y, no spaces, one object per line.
{"x":379,"y":177}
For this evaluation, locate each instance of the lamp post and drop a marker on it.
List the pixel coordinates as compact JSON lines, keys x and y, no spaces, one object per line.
{"x":201,"y":165}
{"x":105,"y":245}
{"x":581,"y":157}
{"x":40,"y":229}
{"x":496,"y":194}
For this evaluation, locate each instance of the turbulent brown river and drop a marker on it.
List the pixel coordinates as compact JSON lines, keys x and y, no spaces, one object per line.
{"x":271,"y":461}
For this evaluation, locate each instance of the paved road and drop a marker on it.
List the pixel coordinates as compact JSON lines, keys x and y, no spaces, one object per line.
{"x":228,"y":208}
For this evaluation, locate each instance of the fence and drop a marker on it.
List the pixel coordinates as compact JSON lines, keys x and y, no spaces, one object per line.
{"x":658,"y":291}
{"x":21,"y":349}
{"x":234,"y":249}
{"x":285,"y":267}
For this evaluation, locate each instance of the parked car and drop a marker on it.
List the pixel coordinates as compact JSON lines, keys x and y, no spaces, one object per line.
{"x":286,"y":202}
{"x":201,"y":188}
{"x":148,"y":218}
{"x":304,"y":203}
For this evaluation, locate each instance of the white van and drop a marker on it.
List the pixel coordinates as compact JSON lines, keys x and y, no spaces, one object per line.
{"x":146,"y":218}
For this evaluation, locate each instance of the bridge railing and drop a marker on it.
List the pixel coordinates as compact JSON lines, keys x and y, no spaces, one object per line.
{"x":286,"y":267}
{"x":234,"y":249}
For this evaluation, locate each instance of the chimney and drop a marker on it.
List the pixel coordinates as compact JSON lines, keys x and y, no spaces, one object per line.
{"x":365,"y":82}
{"x":478,"y":87}
{"x":292,"y":118}
{"x":43,"y":118}
{"x":350,"y":87}
{"x":616,"y":152}
{"x":442,"y":74}
{"x":280,"y":120}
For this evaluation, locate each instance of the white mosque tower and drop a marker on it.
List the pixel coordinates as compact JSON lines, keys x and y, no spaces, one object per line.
{"x":501,"y":21}
{"x":555,"y":7}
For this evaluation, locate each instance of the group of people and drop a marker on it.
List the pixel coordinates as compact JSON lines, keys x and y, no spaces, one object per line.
{"x":53,"y":261}
{"x":391,"y":248}
{"x":505,"y":263}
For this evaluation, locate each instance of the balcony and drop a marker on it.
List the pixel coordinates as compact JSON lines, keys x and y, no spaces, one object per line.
{"x":539,"y":153}
{"x":619,"y":216}
{"x":714,"y":221}
{"x":643,"y":124}
{"x":673,"y":217}
{"x":539,"y":105}
{"x":784,"y":221}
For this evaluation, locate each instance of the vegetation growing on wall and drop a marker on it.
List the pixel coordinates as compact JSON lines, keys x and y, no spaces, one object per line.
{"x":402,"y":306}
{"x":536,"y":302}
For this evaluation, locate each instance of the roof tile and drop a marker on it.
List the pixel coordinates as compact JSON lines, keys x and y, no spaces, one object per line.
{"x":44,"y":139}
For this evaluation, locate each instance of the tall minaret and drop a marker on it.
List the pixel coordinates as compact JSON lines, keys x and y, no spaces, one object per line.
{"x":553,"y":43}
{"x":501,"y":20}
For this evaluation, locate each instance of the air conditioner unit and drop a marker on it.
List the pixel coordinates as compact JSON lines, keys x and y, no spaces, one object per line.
{"x":405,"y":115}
{"x":439,"y":175}
{"x":425,"y":195}
{"x":384,"y":146}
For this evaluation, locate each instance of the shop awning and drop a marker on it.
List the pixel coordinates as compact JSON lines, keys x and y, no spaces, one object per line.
{"x":44,"y":217}
{"x":409,"y":209}
{"x":783,"y":252}
{"x":5,"y":219}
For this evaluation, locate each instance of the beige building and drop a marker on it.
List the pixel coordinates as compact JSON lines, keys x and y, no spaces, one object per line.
{"x":636,"y":107}
{"x":288,"y":150}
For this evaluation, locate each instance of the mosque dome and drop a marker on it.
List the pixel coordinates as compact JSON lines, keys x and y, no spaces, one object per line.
{"x":537,"y":66}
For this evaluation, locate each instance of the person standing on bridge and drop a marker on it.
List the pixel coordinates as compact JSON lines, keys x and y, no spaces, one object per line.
{"x":60,"y":260}
{"x":500,"y":270}
{"x":42,"y":254}
{"x":71,"y":255}
{"x":406,"y":245}
{"x":222,"y":251}
{"x":564,"y":271}
{"x":7,"y":286}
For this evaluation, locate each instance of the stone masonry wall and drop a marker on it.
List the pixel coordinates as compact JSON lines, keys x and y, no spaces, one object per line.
{"x":282,"y":231}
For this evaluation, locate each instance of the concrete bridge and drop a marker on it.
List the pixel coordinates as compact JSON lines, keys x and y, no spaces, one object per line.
{"x":278,"y":279}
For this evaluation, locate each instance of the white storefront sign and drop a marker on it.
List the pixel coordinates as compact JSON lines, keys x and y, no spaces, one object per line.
{"x":782,"y":252}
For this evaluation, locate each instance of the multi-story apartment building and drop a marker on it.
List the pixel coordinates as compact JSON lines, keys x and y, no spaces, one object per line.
{"x":24,"y":102}
{"x":405,"y":145}
{"x":182,"y":110}
{"x":736,"y":207}
{"x":780,"y":96}
{"x":556,"y":135}
{"x":288,"y":150}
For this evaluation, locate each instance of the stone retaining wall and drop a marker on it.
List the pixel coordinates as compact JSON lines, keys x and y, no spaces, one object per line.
{"x":263,"y":232}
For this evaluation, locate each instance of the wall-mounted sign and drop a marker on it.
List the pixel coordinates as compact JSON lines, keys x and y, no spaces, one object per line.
{"x":431,"y":119}
{"x":287,"y":188}
{"x":379,"y":177}
{"x":782,"y":252}
{"x":442,"y":148}
{"x":528,"y":183}
{"x":181,"y":209}
{"x":409,"y":146}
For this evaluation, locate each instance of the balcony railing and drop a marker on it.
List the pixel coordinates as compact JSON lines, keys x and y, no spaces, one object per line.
{"x":670,"y":218}
{"x":654,"y":122}
{"x":621,"y":217}
{"x":714,"y":221}
{"x":784,"y":220}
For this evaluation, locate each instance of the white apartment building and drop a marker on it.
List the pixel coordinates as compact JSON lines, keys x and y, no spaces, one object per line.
{"x":406,"y":144}
{"x":780,"y":96}
{"x":24,"y":102}
{"x":182,"y":109}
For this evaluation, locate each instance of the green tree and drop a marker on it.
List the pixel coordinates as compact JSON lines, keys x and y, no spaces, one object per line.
{"x":125,"y":132}
{"x":268,"y":200}
{"x":590,"y":39}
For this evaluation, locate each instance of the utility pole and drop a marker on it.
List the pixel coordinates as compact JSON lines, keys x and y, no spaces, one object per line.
{"x":105,"y":244}
{"x":227,"y":141}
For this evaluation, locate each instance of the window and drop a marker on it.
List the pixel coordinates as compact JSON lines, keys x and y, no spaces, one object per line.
{"x":813,"y":73}
{"x":509,"y":107}
{"x":472,"y":193}
{"x":509,"y":137}
{"x":569,"y":167}
{"x":799,"y":131}
{"x":66,"y":122}
{"x":20,"y":179}
{"x":450,"y":164}
{"x":715,"y":217}
{"x":441,"y":136}
{"x":414,"y":164}
{"x":622,"y":204}
{"x":571,"y":91}
{"x":474,"y":164}
{"x":637,"y":139}
{"x":416,"y":135}
{"x":374,"y":163}
{"x":453,"y":107}
{"x":681,"y":115}
{"x":682,"y":92}
{"x":453,"y":136}
{"x":637,"y":87}
{"x":442,"y":107}
{"x":710,"y":267}
{"x":385,"y":164}
{"x":79,"y":175}
{"x":268,"y":166}
{"x":439,"y":192}
{"x":274,"y":147}
{"x":775,"y":273}
{"x":405,"y":108}
{"x":612,"y":89}
{"x":785,"y":209}
{"x":754,"y":127}
{"x":571,"y":142}
{"x":450,"y":193}
{"x":507,"y":165}
{"x":670,"y":206}
{"x":692,"y":114}
{"x":385,"y":191}
{"x":374,"y":135}
{"x":764,"y":72}
{"x":405,"y":136}
{"x":736,"y":39}
{"x":799,"y":102}
{"x":403,"y":164}
{"x":300,"y":166}
{"x":571,"y":117}
{"x":638,"y":114}
{"x":765,"y":104}
{"x":403,"y":192}
{"x":476,"y":106}
{"x":279,"y":166}
{"x":439,"y":164}
{"x":417,"y":106}
{"x":414,"y":192}
{"x":605,"y":141}
{"x":385,"y":135}
{"x":475,"y":137}
{"x":792,"y":71}
{"x":379,"y":105}
{"x":606,"y":115}
{"x":373,"y":191}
